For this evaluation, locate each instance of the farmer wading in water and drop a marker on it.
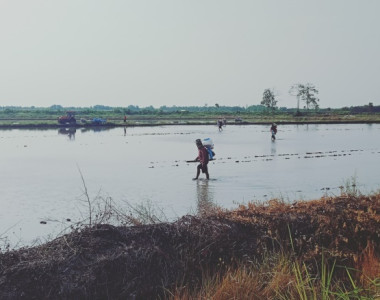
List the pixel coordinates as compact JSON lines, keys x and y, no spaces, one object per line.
{"x":203,"y":158}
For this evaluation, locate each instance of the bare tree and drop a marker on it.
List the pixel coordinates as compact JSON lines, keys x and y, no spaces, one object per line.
{"x":305,"y":92}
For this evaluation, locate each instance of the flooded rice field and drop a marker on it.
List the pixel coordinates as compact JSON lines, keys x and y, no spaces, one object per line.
{"x":42,"y":170}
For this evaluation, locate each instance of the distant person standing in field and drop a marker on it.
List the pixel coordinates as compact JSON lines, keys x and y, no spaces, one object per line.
{"x":273,"y":130}
{"x":203,"y":158}
{"x":125,"y":118}
{"x":220,"y":124}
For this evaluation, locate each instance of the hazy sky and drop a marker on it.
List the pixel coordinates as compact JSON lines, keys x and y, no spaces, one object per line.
{"x":174,"y":52}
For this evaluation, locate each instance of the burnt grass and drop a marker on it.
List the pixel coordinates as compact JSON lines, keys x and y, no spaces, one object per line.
{"x":141,"y":262}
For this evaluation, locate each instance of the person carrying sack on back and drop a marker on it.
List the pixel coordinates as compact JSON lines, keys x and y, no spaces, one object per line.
{"x":203,"y":158}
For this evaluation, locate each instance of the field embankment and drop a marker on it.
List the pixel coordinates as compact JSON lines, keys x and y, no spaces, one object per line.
{"x":44,"y":120}
{"x":147,"y":261}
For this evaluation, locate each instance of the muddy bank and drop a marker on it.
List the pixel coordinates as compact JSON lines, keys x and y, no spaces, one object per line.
{"x":126,"y":262}
{"x":148,"y":123}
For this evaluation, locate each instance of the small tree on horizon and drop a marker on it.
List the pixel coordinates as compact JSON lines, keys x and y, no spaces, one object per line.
{"x":305,"y":92}
{"x":269,"y":99}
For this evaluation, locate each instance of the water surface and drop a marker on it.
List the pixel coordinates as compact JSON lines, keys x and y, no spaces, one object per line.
{"x":40,"y":178}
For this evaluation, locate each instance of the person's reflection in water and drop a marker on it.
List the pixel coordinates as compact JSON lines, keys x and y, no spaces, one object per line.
{"x":125,"y":130}
{"x":205,"y":198}
{"x":70,"y":132}
{"x":273,"y":149}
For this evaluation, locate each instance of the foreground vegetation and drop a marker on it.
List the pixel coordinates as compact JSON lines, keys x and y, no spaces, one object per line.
{"x":322,"y":249}
{"x":17,"y":117}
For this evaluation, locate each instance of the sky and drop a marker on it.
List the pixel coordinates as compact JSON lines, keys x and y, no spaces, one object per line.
{"x":187,"y":53}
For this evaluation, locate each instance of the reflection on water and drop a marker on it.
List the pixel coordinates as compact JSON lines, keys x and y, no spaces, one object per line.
{"x":273,"y":148}
{"x":95,"y":129}
{"x":70,"y":132}
{"x":205,"y":197}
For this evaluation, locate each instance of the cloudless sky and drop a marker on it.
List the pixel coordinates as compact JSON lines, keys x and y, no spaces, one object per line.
{"x":175,"y":52}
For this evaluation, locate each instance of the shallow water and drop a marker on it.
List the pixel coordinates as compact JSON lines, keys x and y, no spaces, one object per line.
{"x":40,"y":178}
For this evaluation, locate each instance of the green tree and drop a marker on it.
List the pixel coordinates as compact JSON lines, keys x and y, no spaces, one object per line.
{"x":305,"y":92}
{"x":269,"y":99}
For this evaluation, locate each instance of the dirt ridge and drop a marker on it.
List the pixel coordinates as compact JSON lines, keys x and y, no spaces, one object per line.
{"x":138,"y":262}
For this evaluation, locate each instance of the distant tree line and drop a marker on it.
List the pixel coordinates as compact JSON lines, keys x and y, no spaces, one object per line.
{"x":135,"y":109}
{"x":305,"y":93}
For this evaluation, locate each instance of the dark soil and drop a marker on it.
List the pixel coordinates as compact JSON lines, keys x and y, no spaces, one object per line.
{"x":139,"y":262}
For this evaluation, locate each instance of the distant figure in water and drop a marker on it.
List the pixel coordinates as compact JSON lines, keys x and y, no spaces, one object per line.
{"x":203,"y":159}
{"x":125,"y":118}
{"x":273,"y":130}
{"x":220,"y":124}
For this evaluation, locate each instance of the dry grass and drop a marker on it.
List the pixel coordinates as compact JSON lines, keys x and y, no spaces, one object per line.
{"x":280,"y":278}
{"x":273,"y":251}
{"x":368,"y":265}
